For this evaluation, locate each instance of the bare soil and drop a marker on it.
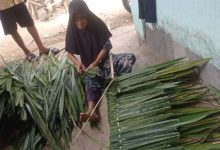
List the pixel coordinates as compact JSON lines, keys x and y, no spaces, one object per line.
{"x":53,"y":30}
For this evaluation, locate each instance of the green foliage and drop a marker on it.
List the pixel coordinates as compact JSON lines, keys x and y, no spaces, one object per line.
{"x":46,"y":96}
{"x":157,"y":108}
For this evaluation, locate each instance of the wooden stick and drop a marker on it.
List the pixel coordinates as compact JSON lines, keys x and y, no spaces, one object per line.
{"x":84,"y":125}
{"x":112,"y":66}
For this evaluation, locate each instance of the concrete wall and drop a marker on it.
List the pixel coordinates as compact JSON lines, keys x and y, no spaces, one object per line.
{"x":188,"y":28}
{"x":139,"y":23}
{"x":194,"y":23}
{"x":1,"y":32}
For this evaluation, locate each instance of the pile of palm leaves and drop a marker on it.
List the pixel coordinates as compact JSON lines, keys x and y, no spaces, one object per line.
{"x":39,"y":104}
{"x":162,"y":108}
{"x":156,"y":108}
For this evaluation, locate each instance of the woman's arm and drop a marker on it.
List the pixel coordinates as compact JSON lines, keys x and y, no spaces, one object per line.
{"x":79,"y":66}
{"x":73,"y":58}
{"x":99,"y":59}
{"x":102,"y":54}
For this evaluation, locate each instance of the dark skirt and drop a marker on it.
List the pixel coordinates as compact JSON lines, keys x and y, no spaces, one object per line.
{"x":122,"y":64}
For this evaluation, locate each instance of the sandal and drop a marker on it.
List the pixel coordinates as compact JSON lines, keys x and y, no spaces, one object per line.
{"x":31,"y":57}
{"x":51,"y":50}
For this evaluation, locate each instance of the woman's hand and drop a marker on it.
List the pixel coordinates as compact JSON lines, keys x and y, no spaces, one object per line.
{"x":80,"y":68}
{"x":92,"y":65}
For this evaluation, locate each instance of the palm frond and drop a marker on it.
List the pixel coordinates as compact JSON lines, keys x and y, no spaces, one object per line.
{"x":155,"y":108}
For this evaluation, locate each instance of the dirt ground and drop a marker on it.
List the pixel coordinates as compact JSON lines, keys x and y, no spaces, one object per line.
{"x":53,"y":31}
{"x":124,"y":40}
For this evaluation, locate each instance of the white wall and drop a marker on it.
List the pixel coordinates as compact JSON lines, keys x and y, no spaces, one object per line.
{"x":1,"y":32}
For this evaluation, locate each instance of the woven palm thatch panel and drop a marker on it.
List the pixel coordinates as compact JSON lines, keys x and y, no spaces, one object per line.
{"x":157,"y":108}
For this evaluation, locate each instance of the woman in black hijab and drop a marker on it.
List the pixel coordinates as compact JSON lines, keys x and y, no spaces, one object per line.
{"x":88,"y":36}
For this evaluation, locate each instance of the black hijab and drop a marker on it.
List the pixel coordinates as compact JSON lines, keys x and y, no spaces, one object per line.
{"x":88,"y":42}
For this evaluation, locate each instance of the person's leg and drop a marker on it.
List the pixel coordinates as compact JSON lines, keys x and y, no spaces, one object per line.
{"x":34,"y":33}
{"x":123,"y":63}
{"x":42,"y":49}
{"x":9,"y":25}
{"x":16,"y":36}
{"x":92,"y":96}
{"x":94,"y":116}
{"x":91,"y":106}
{"x":24,"y":19}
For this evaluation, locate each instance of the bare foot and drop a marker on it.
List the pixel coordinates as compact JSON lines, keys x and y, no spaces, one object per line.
{"x":83,"y":117}
{"x":94,"y":118}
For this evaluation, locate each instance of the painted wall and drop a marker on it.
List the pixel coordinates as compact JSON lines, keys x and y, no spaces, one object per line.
{"x":193,"y":23}
{"x":139,"y":23}
{"x":1,"y":32}
{"x":185,"y":28}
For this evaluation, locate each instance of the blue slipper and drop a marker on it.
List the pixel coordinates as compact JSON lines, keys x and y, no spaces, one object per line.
{"x":31,"y":57}
{"x":51,"y":50}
